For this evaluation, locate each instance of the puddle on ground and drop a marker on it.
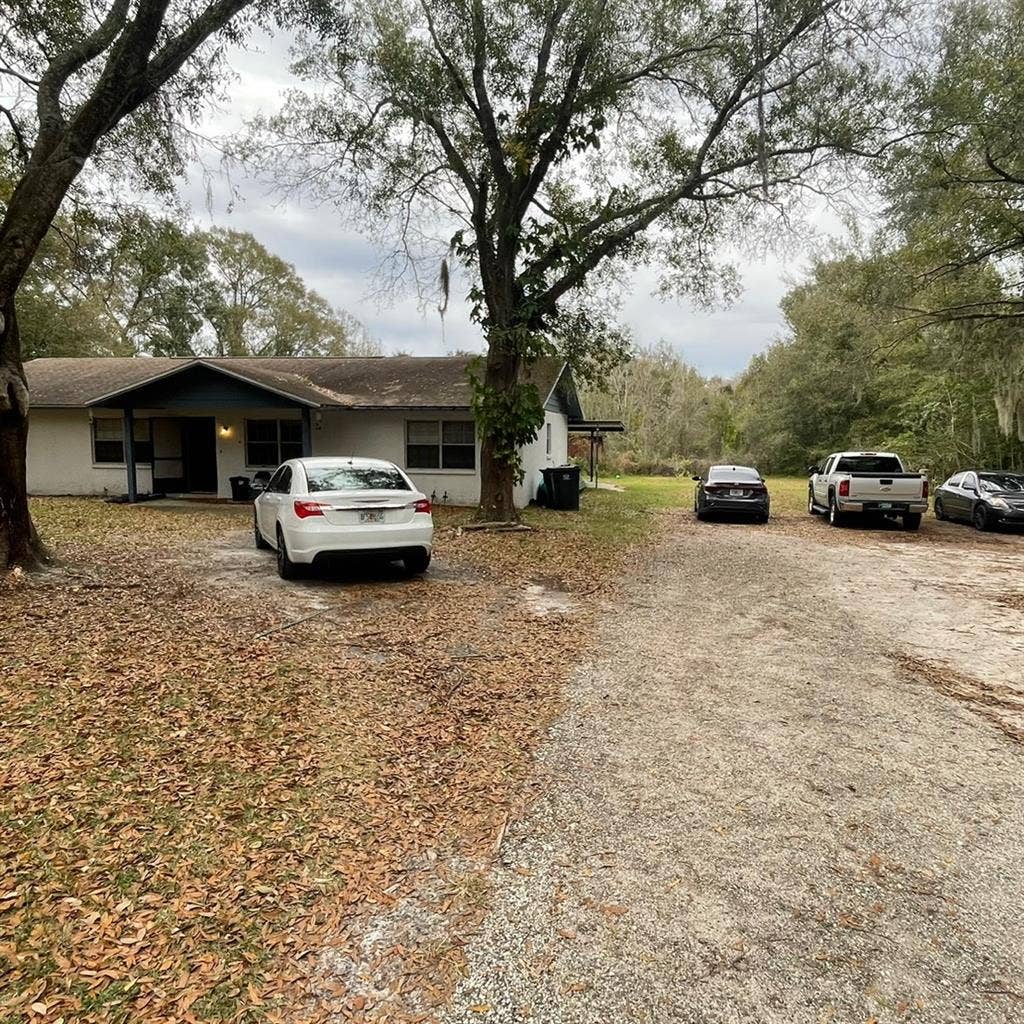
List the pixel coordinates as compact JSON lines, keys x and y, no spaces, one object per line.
{"x":542,"y":599}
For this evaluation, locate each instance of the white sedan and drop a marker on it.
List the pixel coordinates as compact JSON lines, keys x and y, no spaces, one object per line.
{"x":316,"y":508}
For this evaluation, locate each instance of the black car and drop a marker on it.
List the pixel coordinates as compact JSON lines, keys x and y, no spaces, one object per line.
{"x":737,"y":489}
{"x":985,"y":499}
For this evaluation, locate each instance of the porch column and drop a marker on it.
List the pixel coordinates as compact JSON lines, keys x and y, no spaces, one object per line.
{"x":129,"y":453}
{"x":307,"y":431}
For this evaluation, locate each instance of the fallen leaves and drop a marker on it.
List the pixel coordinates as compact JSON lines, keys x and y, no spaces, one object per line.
{"x":197,"y":801}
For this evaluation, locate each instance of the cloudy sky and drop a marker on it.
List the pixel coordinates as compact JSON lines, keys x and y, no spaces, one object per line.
{"x":338,"y":262}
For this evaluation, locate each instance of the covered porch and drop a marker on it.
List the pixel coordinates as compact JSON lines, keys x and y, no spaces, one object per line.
{"x":196,"y":427}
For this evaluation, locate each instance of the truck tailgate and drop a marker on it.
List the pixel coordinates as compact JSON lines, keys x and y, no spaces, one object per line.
{"x":895,"y":487}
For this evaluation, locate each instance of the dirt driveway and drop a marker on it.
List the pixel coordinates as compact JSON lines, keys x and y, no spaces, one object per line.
{"x":790,"y":789}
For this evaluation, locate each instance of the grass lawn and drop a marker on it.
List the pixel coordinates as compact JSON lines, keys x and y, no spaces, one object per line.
{"x":208,"y":777}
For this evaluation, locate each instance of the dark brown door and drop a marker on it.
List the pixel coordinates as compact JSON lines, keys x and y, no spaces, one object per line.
{"x":199,"y":451}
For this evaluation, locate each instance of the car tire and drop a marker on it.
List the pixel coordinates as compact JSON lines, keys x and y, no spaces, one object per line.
{"x":940,"y":512}
{"x":700,"y":513}
{"x":980,"y":519}
{"x":763,"y":519}
{"x":261,"y":544}
{"x":812,"y":509}
{"x":286,"y":568}
{"x":835,"y":514}
{"x":912,"y":521}
{"x":416,"y":563}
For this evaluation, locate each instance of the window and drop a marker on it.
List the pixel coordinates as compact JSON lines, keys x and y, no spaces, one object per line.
{"x":346,"y":477}
{"x":271,"y":442}
{"x":281,"y":481}
{"x":734,"y":473}
{"x":108,"y":440}
{"x":1006,"y":482}
{"x":869,"y":464}
{"x":969,"y":482}
{"x":440,"y":444}
{"x":954,"y":481}
{"x":547,"y":440}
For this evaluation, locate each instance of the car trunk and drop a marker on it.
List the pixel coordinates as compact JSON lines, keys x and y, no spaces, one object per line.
{"x":352,"y":508}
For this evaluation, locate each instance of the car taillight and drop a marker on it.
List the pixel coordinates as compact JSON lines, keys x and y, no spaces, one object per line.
{"x":844,"y":488}
{"x":924,"y":490}
{"x":423,"y":505}
{"x":305,"y":509}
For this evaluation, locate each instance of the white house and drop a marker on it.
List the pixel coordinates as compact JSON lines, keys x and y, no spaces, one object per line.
{"x":193,"y":423}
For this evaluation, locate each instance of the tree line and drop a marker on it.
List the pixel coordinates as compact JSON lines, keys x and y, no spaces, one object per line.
{"x":127,"y":283}
{"x":909,"y":342}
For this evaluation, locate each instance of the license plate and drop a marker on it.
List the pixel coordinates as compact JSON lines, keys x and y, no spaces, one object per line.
{"x":373,"y":516}
{"x":885,"y":504}
{"x":736,"y":494}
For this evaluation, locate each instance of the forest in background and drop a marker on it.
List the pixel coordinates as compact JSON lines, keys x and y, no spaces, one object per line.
{"x":123,"y":282}
{"x":910,"y":342}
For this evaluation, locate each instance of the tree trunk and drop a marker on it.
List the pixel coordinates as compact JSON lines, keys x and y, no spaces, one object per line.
{"x":19,"y":542}
{"x":497,"y":473}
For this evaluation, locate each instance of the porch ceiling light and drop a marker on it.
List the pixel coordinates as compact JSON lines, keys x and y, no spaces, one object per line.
{"x":226,"y":430}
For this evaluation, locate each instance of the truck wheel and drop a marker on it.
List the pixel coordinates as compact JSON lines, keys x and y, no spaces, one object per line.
{"x":812,"y":509}
{"x":912,"y":521}
{"x":835,"y":514}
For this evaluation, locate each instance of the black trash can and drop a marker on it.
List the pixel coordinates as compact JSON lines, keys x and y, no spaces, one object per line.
{"x":240,"y":488}
{"x":563,"y":486}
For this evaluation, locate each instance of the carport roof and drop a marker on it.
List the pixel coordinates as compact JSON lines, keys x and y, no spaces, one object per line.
{"x":351,"y":382}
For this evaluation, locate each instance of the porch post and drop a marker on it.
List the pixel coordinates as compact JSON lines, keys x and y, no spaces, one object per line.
{"x":593,"y":441}
{"x":129,"y":453}
{"x":307,"y":431}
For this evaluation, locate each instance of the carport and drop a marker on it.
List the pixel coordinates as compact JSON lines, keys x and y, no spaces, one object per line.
{"x":596,"y":429}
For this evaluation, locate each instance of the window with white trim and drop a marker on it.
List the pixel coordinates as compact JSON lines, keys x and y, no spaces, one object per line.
{"x":271,"y":442}
{"x":440,"y":444}
{"x":108,"y":441}
{"x":548,"y":439}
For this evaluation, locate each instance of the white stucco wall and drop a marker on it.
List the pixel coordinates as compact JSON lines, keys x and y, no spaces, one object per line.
{"x":381,"y":435}
{"x":60,"y":456}
{"x":536,"y":456}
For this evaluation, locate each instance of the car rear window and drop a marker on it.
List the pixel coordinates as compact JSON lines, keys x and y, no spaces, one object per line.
{"x":344,"y":477}
{"x":869,"y":464}
{"x":1001,"y":481}
{"x":737,"y":473}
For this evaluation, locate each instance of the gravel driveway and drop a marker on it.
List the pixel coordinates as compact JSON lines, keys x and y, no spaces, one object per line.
{"x":767,"y":805}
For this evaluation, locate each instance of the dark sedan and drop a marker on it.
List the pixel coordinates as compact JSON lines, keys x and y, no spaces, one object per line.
{"x":736,"y":489}
{"x":985,"y":499}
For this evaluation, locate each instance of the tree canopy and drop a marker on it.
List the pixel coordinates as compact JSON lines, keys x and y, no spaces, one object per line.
{"x":549,"y":145}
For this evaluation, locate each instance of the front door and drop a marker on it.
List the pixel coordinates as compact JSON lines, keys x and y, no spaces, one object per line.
{"x":199,"y":453}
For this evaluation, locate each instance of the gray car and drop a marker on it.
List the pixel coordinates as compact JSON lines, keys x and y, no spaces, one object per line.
{"x":737,"y":489}
{"x":982,"y":498}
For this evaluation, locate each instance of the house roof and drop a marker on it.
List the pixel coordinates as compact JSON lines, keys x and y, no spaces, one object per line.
{"x":352,"y":382}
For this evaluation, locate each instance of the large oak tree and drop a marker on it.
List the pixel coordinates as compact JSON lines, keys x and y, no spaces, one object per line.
{"x":554,"y":143}
{"x":77,"y":78}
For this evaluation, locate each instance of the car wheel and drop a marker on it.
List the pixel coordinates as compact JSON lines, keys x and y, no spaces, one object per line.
{"x":763,"y":518}
{"x":701,"y":514}
{"x":417,"y":562}
{"x":261,"y":544}
{"x":940,"y":512}
{"x":286,"y":568}
{"x":912,"y":521}
{"x":835,"y":514}
{"x":980,"y":518}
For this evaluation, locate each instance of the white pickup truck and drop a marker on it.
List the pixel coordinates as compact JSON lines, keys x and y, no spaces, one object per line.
{"x":871,"y":483}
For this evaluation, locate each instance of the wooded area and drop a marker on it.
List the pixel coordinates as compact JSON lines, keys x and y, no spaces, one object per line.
{"x":910,"y":341}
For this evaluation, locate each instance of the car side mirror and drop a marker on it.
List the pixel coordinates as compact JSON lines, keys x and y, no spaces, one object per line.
{"x":971,"y":490}
{"x":695,"y":479}
{"x":813,"y":469}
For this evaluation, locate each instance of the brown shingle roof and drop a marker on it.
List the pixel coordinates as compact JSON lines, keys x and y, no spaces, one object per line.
{"x":357,"y":382}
